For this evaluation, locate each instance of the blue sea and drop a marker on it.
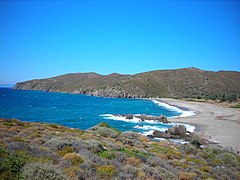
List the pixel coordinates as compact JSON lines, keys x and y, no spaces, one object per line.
{"x":82,"y":111}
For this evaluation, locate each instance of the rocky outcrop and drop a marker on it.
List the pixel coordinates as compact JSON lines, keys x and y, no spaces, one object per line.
{"x":144,"y":117}
{"x":162,"y":119}
{"x":179,"y":130}
{"x":175,"y":132}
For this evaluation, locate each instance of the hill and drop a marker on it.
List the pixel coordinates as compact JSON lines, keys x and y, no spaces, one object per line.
{"x":48,"y":151}
{"x":179,"y":83}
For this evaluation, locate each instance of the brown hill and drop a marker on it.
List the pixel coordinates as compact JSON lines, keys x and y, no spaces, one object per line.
{"x":179,"y":83}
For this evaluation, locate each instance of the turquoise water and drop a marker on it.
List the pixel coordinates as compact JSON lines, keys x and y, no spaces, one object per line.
{"x":78,"y":111}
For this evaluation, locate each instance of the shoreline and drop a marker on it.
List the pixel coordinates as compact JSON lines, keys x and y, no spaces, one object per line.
{"x":216,"y":123}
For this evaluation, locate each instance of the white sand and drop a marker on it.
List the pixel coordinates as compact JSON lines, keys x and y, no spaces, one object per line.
{"x":218,"y":123}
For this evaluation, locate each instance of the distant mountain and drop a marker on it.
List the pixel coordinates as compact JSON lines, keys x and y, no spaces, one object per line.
{"x":179,"y":83}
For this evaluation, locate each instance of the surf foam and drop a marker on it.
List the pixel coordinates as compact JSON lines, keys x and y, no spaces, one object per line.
{"x":174,"y":108}
{"x":147,"y":127}
{"x":120,"y":118}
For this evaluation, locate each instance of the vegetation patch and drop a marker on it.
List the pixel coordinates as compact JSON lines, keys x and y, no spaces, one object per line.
{"x":134,"y":153}
{"x":18,"y":139}
{"x":186,"y":176}
{"x":74,"y":158}
{"x":76,"y":154}
{"x":65,"y":150}
{"x":53,"y":125}
{"x":107,"y":154}
{"x":11,"y":164}
{"x":235,"y":106}
{"x":106,"y":171}
{"x":36,"y":171}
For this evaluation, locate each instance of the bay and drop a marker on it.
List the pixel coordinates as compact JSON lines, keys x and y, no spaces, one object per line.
{"x":79,"y":111}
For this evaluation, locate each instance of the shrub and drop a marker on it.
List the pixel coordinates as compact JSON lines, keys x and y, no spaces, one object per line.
{"x":11,"y":164}
{"x":180,"y":164}
{"x":195,"y":160}
{"x":143,"y":139}
{"x":8,"y":123}
{"x":76,"y":131}
{"x":104,"y":131}
{"x":18,"y":139}
{"x":53,"y":125}
{"x":152,"y":173}
{"x":128,"y":172}
{"x":229,"y":159}
{"x":196,"y":143}
{"x":60,"y":142}
{"x":72,"y":172}
{"x":65,"y":150}
{"x":107,"y":154}
{"x":133,"y":161}
{"x":134,"y":153}
{"x":186,"y":176}
{"x":95,"y":147}
{"x":106,"y":171}
{"x":235,"y":106}
{"x":104,"y":124}
{"x":215,"y":162}
{"x":74,"y":158}
{"x":46,"y":171}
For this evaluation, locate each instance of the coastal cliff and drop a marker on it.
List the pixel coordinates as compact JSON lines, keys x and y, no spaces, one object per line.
{"x":179,"y":83}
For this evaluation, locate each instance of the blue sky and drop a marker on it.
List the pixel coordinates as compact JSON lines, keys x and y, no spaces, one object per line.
{"x":40,"y":39}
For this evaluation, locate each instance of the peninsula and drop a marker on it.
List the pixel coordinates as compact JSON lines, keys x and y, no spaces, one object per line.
{"x":179,"y":83}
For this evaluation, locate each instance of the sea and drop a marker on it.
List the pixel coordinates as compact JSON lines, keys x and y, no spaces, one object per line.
{"x":83,"y":111}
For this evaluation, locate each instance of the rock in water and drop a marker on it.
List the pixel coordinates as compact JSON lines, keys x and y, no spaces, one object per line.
{"x":129,"y":116}
{"x":178,"y":130}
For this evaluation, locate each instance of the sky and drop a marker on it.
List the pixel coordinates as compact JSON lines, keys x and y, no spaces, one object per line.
{"x":45,"y":38}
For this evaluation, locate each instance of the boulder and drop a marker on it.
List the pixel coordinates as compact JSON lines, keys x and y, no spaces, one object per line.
{"x":129,"y":116}
{"x":163,"y":119}
{"x":159,"y":134}
{"x":173,"y":130}
{"x":179,"y":130}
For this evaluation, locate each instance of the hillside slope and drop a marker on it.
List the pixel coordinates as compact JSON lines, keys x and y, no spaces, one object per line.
{"x":179,"y":83}
{"x":41,"y":151}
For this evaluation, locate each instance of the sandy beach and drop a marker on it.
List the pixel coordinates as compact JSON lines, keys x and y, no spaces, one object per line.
{"x":217,"y":123}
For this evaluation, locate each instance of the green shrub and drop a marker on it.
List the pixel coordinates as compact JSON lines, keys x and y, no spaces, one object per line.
{"x":8,"y":123}
{"x":103,"y":129}
{"x":134,"y":153}
{"x":235,"y":106}
{"x":104,"y":124}
{"x":46,"y":171}
{"x":229,"y":159}
{"x":11,"y":164}
{"x":53,"y":125}
{"x":107,"y":154}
